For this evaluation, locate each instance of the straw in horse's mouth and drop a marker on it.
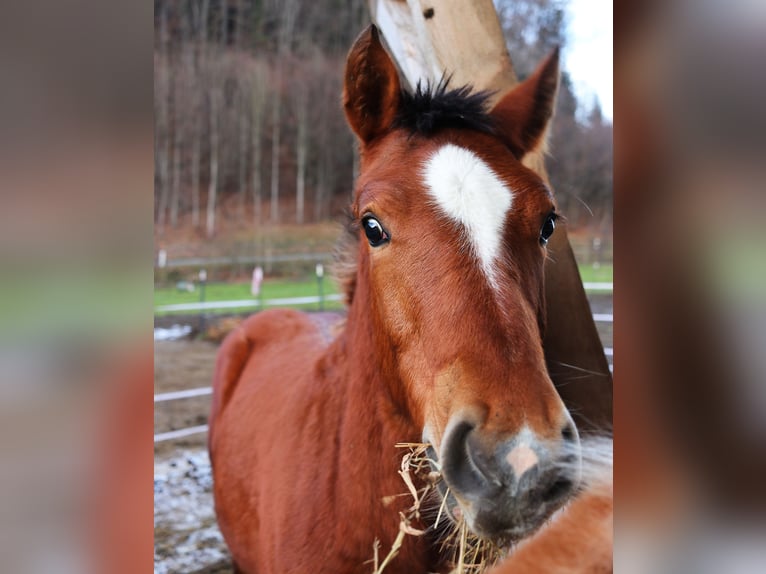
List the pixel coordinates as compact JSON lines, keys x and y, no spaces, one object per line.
{"x":469,"y":553}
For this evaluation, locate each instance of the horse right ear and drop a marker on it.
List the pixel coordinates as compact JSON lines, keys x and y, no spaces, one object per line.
{"x":371,"y":88}
{"x":523,"y":115}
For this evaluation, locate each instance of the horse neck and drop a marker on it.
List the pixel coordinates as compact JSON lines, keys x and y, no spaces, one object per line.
{"x":374,"y":412}
{"x":375,"y":380}
{"x":372,"y":419}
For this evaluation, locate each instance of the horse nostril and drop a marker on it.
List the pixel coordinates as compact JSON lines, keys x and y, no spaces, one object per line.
{"x":463,"y":465}
{"x":560,"y":488}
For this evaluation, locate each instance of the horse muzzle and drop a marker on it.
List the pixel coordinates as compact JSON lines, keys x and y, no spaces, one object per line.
{"x":505,"y":489}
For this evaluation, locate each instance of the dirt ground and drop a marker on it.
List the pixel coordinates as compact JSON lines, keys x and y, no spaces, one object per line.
{"x":185,"y":364}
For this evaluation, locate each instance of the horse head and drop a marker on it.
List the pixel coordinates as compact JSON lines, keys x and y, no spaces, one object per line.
{"x":453,"y":231}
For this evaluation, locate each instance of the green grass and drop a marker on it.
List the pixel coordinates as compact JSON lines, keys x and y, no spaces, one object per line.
{"x":601,"y":274}
{"x":270,"y":289}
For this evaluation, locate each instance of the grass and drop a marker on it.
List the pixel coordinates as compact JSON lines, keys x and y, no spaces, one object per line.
{"x":270,"y":289}
{"x":601,"y":274}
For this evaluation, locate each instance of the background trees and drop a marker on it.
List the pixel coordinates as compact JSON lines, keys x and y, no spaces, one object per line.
{"x":249,"y":125}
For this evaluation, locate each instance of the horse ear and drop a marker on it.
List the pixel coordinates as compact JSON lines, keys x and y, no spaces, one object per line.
{"x":522,"y":116}
{"x":371,"y":89}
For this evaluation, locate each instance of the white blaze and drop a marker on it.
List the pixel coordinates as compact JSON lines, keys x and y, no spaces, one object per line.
{"x":467,"y":191}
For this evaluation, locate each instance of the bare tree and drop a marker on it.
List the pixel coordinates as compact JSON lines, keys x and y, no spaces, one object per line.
{"x":216,"y":98}
{"x":162,"y":130}
{"x":288,"y":14}
{"x":301,"y":102}
{"x":244,"y":110}
{"x":200,"y":13}
{"x":196,"y":153}
{"x":223,"y":21}
{"x":276,"y":134}
{"x":258,"y":102}
{"x":175,"y":194}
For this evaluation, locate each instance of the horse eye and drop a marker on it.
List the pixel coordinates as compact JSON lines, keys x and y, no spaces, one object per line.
{"x":548,"y":227}
{"x":374,"y":231}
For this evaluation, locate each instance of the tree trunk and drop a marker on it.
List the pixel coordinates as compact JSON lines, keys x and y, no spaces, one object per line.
{"x":276,"y":132}
{"x":289,"y":12}
{"x":320,"y":188}
{"x":224,"y":22}
{"x":323,"y":160}
{"x":238,"y":24}
{"x":257,"y":136}
{"x":301,"y":155}
{"x":163,"y":129}
{"x":242,"y":156}
{"x":213,"y":187}
{"x":175,"y":196}
{"x":196,"y":159}
{"x":201,"y":15}
{"x":162,"y":167}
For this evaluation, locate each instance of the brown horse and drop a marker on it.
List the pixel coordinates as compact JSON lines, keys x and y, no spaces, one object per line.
{"x":442,"y":344}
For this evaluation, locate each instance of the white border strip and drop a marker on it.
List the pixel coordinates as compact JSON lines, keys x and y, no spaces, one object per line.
{"x":183,"y":394}
{"x":247,"y":303}
{"x":179,"y":433}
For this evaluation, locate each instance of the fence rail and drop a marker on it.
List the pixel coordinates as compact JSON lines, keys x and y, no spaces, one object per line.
{"x":188,"y":393}
{"x":202,"y":306}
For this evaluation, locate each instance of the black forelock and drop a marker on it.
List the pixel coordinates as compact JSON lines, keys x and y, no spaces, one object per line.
{"x":433,"y":108}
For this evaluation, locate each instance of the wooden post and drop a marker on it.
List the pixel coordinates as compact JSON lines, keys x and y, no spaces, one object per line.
{"x":464,"y":39}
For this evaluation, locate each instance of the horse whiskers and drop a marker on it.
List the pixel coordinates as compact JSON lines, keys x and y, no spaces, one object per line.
{"x":576,"y":368}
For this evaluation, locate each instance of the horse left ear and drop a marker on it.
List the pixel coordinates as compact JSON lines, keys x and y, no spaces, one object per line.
{"x":371,"y":87}
{"x":522,"y":116}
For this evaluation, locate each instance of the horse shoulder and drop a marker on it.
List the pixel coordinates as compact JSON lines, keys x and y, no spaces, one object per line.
{"x":258,"y":333}
{"x":269,"y":411}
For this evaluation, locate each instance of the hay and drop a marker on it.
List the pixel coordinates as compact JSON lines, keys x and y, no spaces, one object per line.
{"x":411,"y":461}
{"x":468,"y":553}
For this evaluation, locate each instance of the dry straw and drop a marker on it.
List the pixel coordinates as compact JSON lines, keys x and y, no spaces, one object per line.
{"x":468,"y":554}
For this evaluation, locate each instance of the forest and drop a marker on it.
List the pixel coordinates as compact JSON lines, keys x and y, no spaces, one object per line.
{"x":249,"y":126}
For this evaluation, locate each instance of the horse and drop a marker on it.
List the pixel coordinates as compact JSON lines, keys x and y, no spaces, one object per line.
{"x":441,"y":345}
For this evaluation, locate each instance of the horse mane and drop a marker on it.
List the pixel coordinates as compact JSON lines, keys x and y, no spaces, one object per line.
{"x":429,"y":109}
{"x":432,"y":108}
